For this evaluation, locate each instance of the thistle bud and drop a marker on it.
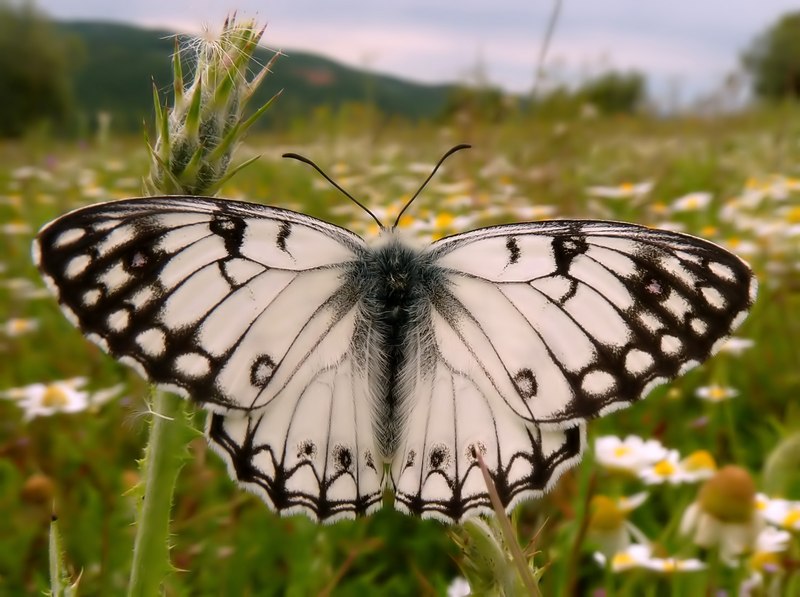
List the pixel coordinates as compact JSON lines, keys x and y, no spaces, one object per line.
{"x":197,"y":136}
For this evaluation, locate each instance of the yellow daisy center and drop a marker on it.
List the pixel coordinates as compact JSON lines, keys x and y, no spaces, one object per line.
{"x":791,"y":519}
{"x":717,"y":393}
{"x":405,"y":221}
{"x":664,"y":468}
{"x":700,"y":460}
{"x":621,"y":451}
{"x":622,"y":559}
{"x":765,"y":560}
{"x":444,"y":220}
{"x":55,"y":397}
{"x":606,"y":516}
{"x":16,"y":326}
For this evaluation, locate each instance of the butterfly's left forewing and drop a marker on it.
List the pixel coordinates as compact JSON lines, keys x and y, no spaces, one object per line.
{"x":248,"y":309}
{"x":534,"y":328}
{"x":567,"y":320}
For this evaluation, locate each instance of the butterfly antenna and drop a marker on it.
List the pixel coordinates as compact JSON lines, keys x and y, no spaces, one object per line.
{"x":450,"y":152}
{"x":305,"y":160}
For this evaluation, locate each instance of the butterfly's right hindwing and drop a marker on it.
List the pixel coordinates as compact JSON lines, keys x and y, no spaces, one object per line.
{"x":250,"y":310}
{"x":309,"y":453}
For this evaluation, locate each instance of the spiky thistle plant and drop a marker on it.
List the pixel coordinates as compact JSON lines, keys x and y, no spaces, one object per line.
{"x":492,"y":559}
{"x":197,"y":136}
{"x":192,"y":155}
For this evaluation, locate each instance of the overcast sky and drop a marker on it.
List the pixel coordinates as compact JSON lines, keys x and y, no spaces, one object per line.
{"x":683,"y":45}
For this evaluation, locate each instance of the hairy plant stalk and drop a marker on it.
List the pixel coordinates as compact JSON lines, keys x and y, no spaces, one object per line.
{"x":192,"y":155}
{"x":164,"y":457}
{"x":60,"y":583}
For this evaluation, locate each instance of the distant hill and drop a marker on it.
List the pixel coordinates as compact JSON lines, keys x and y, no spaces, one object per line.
{"x":120,"y":61}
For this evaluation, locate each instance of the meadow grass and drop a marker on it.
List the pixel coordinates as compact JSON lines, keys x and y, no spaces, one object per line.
{"x":81,"y":464}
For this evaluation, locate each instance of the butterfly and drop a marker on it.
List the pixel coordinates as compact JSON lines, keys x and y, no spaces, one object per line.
{"x":334,"y":368}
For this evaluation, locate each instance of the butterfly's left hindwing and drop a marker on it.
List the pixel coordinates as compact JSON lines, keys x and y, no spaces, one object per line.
{"x":567,"y":320}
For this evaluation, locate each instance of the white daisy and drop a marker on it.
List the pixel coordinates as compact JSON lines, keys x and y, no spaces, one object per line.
{"x":626,"y":190}
{"x":609,"y":526}
{"x":65,"y":396}
{"x":631,"y":454}
{"x":671,"y":565}
{"x":17,"y":326}
{"x":716,"y":393}
{"x":691,"y":202}
{"x":779,"y":512}
{"x":633,"y":556}
{"x":459,"y":587}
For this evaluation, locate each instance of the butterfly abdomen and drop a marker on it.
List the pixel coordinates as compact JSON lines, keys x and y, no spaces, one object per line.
{"x":396,"y":279}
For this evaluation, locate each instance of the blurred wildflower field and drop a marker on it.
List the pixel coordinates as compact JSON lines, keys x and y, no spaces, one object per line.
{"x":632,"y":519}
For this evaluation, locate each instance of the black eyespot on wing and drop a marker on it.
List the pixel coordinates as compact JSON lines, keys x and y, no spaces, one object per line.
{"x":262,"y":370}
{"x":343,"y":457}
{"x":439,"y":456}
{"x":525,"y":382}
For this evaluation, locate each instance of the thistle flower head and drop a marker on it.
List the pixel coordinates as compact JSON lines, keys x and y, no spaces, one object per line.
{"x":197,"y":136}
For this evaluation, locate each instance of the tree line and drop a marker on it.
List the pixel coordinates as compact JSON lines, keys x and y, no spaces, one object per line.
{"x":38,"y":64}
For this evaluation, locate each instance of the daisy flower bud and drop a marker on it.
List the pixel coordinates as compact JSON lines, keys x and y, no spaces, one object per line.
{"x":725,"y":514}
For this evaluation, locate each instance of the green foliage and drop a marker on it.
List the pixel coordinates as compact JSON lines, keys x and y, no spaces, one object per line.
{"x":35,"y":66}
{"x":488,"y":104}
{"x":611,"y":92}
{"x":614,"y":92}
{"x":773,"y":60}
{"x":308,"y":81}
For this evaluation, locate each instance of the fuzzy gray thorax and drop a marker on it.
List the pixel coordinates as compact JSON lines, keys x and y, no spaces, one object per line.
{"x":397,"y":283}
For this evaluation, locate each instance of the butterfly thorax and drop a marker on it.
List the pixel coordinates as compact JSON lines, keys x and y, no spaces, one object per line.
{"x":396,"y":281}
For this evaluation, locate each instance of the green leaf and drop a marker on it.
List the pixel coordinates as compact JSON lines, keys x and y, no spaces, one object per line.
{"x":177,"y":74}
{"x":192,"y":123}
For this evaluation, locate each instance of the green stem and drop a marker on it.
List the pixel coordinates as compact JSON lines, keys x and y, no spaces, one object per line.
{"x":164,"y":457}
{"x":520,"y":561}
{"x":608,"y":579}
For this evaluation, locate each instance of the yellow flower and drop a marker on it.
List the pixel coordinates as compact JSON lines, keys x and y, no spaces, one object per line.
{"x":16,"y":326}
{"x":608,"y":523}
{"x":716,"y":393}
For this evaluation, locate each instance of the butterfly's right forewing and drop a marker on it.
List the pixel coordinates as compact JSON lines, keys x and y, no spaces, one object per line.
{"x":219,"y":300}
{"x":249,"y":310}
